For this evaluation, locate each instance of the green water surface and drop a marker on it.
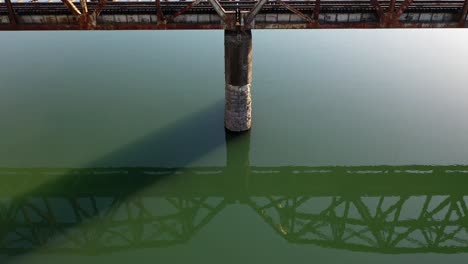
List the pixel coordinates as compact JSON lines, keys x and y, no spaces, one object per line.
{"x":112,"y":148}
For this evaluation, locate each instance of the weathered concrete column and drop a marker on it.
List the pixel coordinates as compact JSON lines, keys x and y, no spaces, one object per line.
{"x":238,"y":73}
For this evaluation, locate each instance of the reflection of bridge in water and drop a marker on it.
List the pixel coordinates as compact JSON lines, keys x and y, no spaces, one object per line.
{"x":383,"y":209}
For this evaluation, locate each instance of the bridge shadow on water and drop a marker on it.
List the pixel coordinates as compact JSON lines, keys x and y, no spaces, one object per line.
{"x":177,"y":145}
{"x":111,"y":206}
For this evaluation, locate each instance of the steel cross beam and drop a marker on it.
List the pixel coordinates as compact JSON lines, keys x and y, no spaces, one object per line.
{"x":390,"y":17}
{"x":297,"y":12}
{"x":249,"y":18}
{"x":183,"y":10}
{"x":11,"y":13}
{"x":159,"y":13}
{"x":86,"y":19}
{"x":99,"y":7}
{"x":403,"y":7}
{"x":84,"y":6}
{"x":378,"y":8}
{"x":317,"y":10}
{"x":75,"y":11}
{"x":392,"y":5}
{"x":214,"y":3}
{"x":219,"y":9}
{"x":242,"y":15}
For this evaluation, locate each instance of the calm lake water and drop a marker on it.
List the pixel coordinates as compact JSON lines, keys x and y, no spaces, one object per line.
{"x":112,"y":148}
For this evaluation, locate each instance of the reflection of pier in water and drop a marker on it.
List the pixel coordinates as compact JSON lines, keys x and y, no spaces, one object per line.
{"x":378,"y":209}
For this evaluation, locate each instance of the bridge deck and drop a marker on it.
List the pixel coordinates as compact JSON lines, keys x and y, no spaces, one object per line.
{"x":212,"y":14}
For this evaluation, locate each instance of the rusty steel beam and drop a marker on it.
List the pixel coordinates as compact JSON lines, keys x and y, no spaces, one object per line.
{"x":255,"y":10}
{"x":183,"y":10}
{"x":84,"y":6}
{"x":238,"y":16}
{"x":11,"y":13}
{"x":353,"y":25}
{"x":463,"y":14}
{"x":390,"y":17}
{"x":29,"y":27}
{"x":403,"y":7}
{"x":392,"y":6}
{"x":356,"y":25}
{"x":378,"y":8}
{"x":219,"y":9}
{"x":295,"y":11}
{"x":159,"y":13}
{"x":316,"y":10}
{"x":73,"y":9}
{"x":99,"y":7}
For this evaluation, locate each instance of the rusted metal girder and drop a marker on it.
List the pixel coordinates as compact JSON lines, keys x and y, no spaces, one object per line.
{"x":225,"y":16}
{"x":11,"y":13}
{"x":243,"y":15}
{"x":297,"y":12}
{"x":390,"y":18}
{"x":73,"y":9}
{"x":183,"y":10}
{"x":84,"y":6}
{"x":392,"y":5}
{"x":99,"y":7}
{"x":230,"y":19}
{"x":403,"y":7}
{"x":159,"y":13}
{"x":29,"y":27}
{"x":86,"y":20}
{"x":316,"y":10}
{"x":181,"y":26}
{"x":219,"y":9}
{"x":378,"y":8}
{"x":250,"y":17}
{"x":463,"y":14}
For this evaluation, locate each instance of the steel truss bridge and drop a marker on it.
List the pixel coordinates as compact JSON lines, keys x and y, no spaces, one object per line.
{"x":237,"y":19}
{"x":394,"y":210}
{"x":231,"y":15}
{"x":412,"y":209}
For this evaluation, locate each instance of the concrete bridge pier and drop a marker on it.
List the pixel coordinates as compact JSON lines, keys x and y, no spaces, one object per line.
{"x":238,"y":74}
